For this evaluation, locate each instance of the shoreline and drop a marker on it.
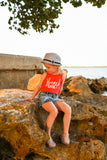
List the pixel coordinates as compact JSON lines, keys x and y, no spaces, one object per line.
{"x":84,"y":66}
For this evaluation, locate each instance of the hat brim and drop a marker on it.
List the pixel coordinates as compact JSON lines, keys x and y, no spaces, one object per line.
{"x":53,"y":63}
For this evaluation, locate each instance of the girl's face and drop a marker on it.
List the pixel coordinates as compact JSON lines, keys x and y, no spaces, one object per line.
{"x":52,"y":69}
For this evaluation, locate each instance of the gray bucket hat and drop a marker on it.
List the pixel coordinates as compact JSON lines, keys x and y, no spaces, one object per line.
{"x":52,"y":58}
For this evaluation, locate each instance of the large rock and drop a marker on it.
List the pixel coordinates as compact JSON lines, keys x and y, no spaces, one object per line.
{"x":23,"y":136}
{"x":77,"y":84}
{"x":33,"y":82}
{"x":18,"y":125}
{"x":98,"y":85}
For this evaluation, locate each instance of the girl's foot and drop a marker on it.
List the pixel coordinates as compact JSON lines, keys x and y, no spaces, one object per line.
{"x":51,"y":143}
{"x":65,"y":138}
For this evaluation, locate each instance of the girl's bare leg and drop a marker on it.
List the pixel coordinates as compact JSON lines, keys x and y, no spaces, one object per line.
{"x":62,"y":106}
{"x":53,"y":111}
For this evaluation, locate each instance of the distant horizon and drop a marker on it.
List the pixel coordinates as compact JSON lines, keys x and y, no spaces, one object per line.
{"x":85,"y":66}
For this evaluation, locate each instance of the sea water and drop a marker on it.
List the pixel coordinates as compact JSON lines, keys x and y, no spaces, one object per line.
{"x":87,"y":72}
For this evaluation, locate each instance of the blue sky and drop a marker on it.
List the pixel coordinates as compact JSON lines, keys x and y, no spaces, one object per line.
{"x":81,"y":39}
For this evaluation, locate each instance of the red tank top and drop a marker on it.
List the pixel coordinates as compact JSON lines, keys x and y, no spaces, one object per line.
{"x":52,"y":83}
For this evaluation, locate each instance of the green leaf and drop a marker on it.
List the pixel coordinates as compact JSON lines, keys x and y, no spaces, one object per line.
{"x":39,"y":14}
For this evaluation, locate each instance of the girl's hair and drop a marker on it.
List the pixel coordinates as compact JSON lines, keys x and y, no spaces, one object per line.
{"x":62,"y":71}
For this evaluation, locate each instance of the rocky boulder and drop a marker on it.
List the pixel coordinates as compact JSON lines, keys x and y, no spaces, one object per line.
{"x":78,"y":85}
{"x":22,"y":128}
{"x":18,"y":127}
{"x":98,"y":85}
{"x":33,"y":82}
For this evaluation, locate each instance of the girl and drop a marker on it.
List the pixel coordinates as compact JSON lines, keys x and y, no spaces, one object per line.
{"x":49,"y":88}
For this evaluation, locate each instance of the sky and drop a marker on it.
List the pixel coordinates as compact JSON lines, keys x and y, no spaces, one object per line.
{"x":81,"y":39}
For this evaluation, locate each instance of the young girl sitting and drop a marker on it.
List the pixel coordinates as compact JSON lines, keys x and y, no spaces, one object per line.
{"x":49,"y":89}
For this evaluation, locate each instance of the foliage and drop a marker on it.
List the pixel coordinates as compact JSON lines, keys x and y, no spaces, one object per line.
{"x":38,"y":14}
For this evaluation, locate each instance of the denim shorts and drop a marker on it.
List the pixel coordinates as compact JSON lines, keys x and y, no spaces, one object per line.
{"x":47,"y":97}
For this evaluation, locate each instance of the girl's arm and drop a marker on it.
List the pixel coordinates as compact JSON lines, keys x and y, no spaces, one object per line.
{"x":37,"y":88}
{"x":63,"y":80}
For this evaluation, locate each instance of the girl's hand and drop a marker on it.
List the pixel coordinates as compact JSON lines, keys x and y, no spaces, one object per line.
{"x":29,"y":99}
